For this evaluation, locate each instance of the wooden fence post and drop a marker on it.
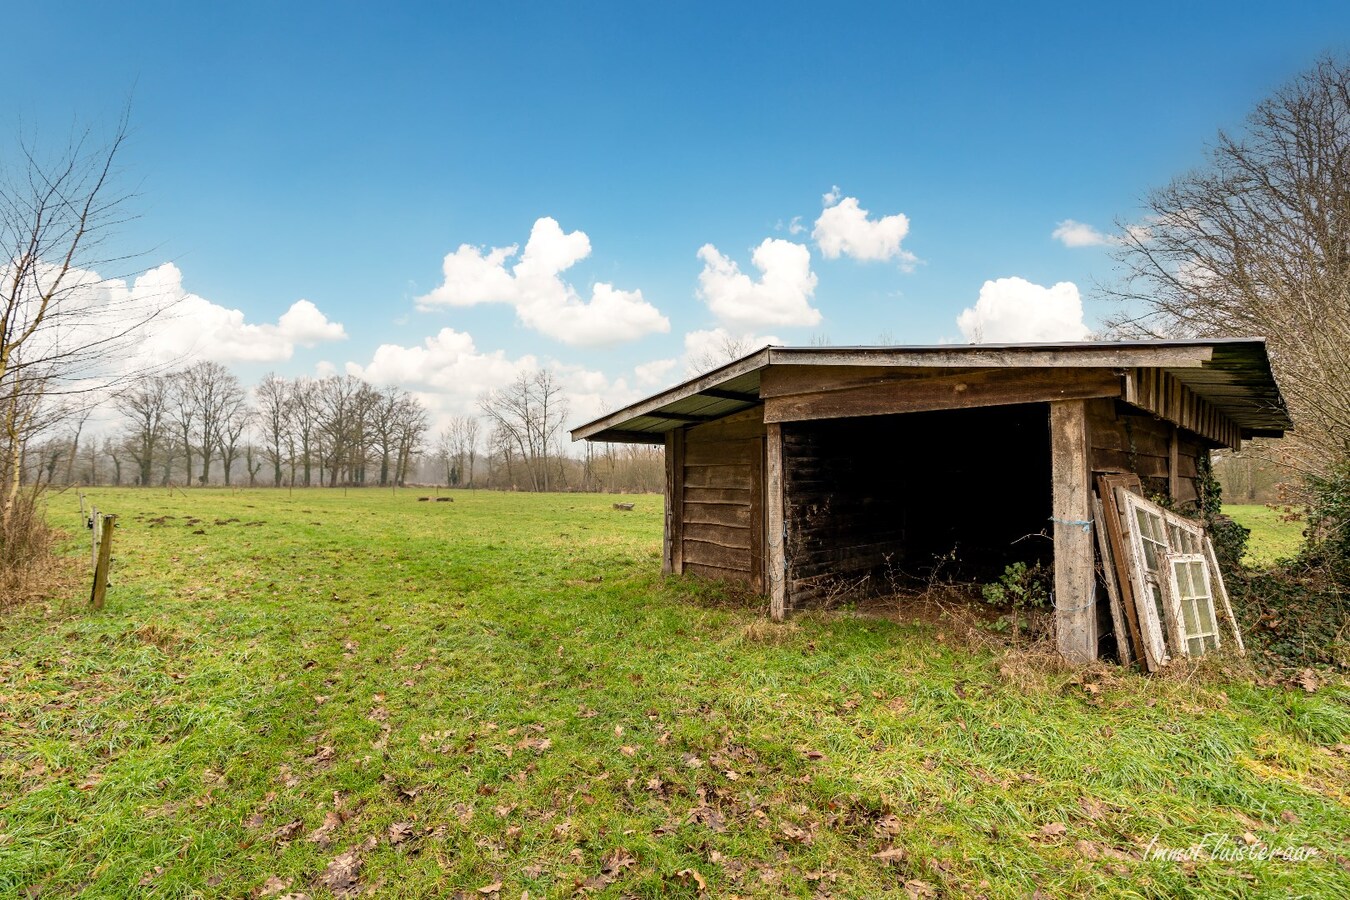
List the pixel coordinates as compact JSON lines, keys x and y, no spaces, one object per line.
{"x":104,"y":561}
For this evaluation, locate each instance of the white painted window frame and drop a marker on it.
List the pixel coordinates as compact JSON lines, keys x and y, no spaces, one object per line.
{"x":1163,"y":624}
{"x":1200,"y":600}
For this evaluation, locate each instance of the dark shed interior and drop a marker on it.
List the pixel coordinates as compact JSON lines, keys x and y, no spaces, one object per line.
{"x":875,"y":502}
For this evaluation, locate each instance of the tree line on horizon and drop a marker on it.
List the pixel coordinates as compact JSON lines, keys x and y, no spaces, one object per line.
{"x":199,"y":425}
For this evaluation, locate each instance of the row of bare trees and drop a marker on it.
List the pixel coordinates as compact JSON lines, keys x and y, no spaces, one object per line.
{"x":200,"y":425}
{"x":517,"y":443}
{"x":199,"y":420}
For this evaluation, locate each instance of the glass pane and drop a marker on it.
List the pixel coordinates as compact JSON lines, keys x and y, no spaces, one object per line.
{"x":1188,"y":614}
{"x":1184,"y":580}
{"x":1196,"y":646}
{"x":1156,"y":593}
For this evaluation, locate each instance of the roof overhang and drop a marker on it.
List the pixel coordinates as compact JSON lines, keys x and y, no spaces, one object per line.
{"x":1233,"y":374}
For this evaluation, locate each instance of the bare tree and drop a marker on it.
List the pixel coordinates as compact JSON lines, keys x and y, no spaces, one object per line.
{"x":183,"y":417}
{"x":470,"y":426}
{"x":528,"y":414}
{"x":275,"y":411}
{"x":114,"y":451}
{"x":445,"y":455}
{"x":253,"y":462}
{"x":458,"y":445}
{"x":56,"y":326}
{"x":214,"y":396}
{"x":727,"y":348}
{"x":1258,"y":243}
{"x":411,"y":425}
{"x":341,"y":406}
{"x":230,"y":436}
{"x":306,"y":406}
{"x":145,"y":405}
{"x":392,"y":413}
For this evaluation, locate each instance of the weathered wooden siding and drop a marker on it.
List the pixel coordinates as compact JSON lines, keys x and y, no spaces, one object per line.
{"x":843,"y":527}
{"x":721,"y":530}
{"x":1123,"y":438}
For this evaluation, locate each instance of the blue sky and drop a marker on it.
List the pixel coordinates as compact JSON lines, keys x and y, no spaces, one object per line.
{"x":338,"y":152}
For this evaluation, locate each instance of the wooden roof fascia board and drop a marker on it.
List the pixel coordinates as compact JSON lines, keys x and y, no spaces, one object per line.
{"x":1103,"y":355}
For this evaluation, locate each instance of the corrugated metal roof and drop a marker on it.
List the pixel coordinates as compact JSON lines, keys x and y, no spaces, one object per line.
{"x":1233,"y":374}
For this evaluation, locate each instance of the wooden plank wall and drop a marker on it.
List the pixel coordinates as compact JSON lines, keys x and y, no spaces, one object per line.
{"x":1122,"y":438}
{"x":842,"y":526}
{"x":721,"y":529}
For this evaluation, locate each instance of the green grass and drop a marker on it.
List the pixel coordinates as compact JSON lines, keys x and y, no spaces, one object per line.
{"x":1273,"y":536}
{"x":504,"y":689}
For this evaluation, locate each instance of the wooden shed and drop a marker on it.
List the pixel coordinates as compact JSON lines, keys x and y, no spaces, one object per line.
{"x":800,"y":469}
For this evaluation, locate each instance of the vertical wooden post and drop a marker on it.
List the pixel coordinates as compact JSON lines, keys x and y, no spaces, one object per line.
{"x":672,"y":559}
{"x":1075,"y":579}
{"x":669,"y":492}
{"x":757,"y":563}
{"x":104,"y":561}
{"x":775,"y":538}
{"x":1173,"y":462}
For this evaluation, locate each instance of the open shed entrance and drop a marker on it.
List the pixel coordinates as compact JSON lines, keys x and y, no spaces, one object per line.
{"x":872,"y":503}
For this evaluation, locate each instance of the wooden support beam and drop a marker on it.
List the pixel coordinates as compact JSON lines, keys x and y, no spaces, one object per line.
{"x":991,"y":387}
{"x":775,"y":537}
{"x":723,"y":394}
{"x":672,"y":559}
{"x":615,"y":436}
{"x":682,"y":417}
{"x":1075,"y":578}
{"x":1162,"y":393}
{"x":1174,"y":465}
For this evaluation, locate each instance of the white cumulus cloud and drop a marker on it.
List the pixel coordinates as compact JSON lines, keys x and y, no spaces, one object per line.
{"x":781,"y":296}
{"x":844,"y":229}
{"x":1011,"y":310}
{"x":152,"y":320}
{"x":543,"y":300}
{"x":448,"y":373}
{"x":199,"y":329}
{"x":656,"y":372}
{"x":446,"y":362}
{"x":1072,"y":233}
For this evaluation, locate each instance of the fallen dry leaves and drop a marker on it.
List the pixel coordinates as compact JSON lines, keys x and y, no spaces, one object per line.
{"x":341,"y":874}
{"x":688,"y":875}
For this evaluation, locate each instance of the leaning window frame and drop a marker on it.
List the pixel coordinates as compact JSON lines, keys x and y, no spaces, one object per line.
{"x":1170,"y":533}
{"x":1196,"y":595}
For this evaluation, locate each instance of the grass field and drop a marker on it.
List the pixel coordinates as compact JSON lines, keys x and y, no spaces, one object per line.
{"x":1273,"y":536}
{"x":333,"y":693}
